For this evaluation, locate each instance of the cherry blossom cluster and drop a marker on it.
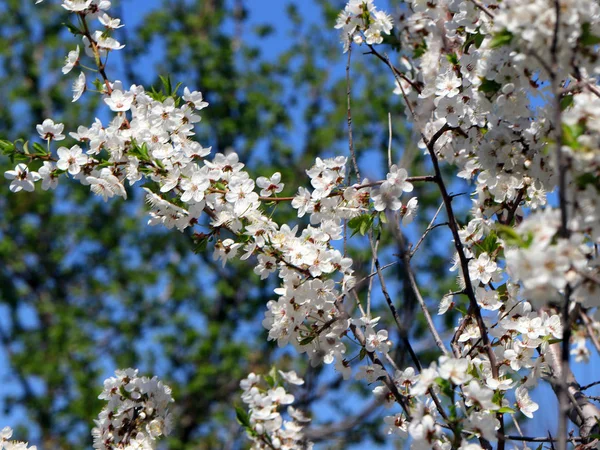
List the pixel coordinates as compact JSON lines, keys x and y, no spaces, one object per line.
{"x":361,"y":21}
{"x":96,"y":44}
{"x":581,"y":125}
{"x":7,"y":444}
{"x":545,"y":264}
{"x":469,"y":85}
{"x":479,"y":83}
{"x":531,"y":26}
{"x":476,"y":404}
{"x":136,"y":415}
{"x":522,"y":334}
{"x":263,"y":422}
{"x":149,"y":138}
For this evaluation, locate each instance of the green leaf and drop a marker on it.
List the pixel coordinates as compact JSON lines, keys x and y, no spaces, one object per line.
{"x":361,"y":224}
{"x":166,"y":81}
{"x":270,"y":380}
{"x":123,"y":392}
{"x":362,"y":354}
{"x":420,"y":49}
{"x":274,"y":375}
{"x":7,"y":148}
{"x":73,"y":29}
{"x":502,"y":291}
{"x":479,"y":39}
{"x":307,"y":340}
{"x":566,"y":101}
{"x":201,"y":241}
{"x":40,"y":149}
{"x":497,"y":398}
{"x":242,"y":416}
{"x":476,"y":39}
{"x":490,"y":243}
{"x":98,"y":85}
{"x":587,"y":38}
{"x":509,"y":234}
{"x":453,"y":410}
{"x":587,"y":179}
{"x":141,"y":152}
{"x":452,"y":58}
{"x":472,"y":371}
{"x":176,"y":88}
{"x":445,"y":386}
{"x":489,"y":86}
{"x":571,"y":133}
{"x":501,"y":39}
{"x":506,"y":410}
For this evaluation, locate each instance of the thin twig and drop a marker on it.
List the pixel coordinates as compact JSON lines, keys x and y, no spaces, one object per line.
{"x":389,"y":140}
{"x":484,"y":8}
{"x":387,"y":379}
{"x":429,"y":228}
{"x":372,"y":274}
{"x":401,"y":327}
{"x":390,"y":303}
{"x":95,"y":49}
{"x":325,"y":432}
{"x":587,"y":386}
{"x":405,"y":256}
{"x":350,"y":139}
{"x":374,"y":268}
{"x":588,"y":326}
{"x":397,"y":72}
{"x":537,"y":439}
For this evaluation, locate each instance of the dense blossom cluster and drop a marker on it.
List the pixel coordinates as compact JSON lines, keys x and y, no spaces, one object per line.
{"x":361,"y":21}
{"x":7,"y":444}
{"x":136,"y":415}
{"x":530,"y":26}
{"x":474,"y":76}
{"x":264,"y":423}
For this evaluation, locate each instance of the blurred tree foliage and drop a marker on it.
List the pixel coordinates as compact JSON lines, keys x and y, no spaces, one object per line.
{"x":86,"y":287}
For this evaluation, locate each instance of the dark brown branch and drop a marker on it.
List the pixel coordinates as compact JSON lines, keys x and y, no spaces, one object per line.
{"x":397,"y":72}
{"x":95,"y":49}
{"x":587,"y":386}
{"x":447,"y":199}
{"x":537,"y":439}
{"x":464,"y":263}
{"x":483,"y":8}
{"x":513,"y":210}
{"x":386,"y":379}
